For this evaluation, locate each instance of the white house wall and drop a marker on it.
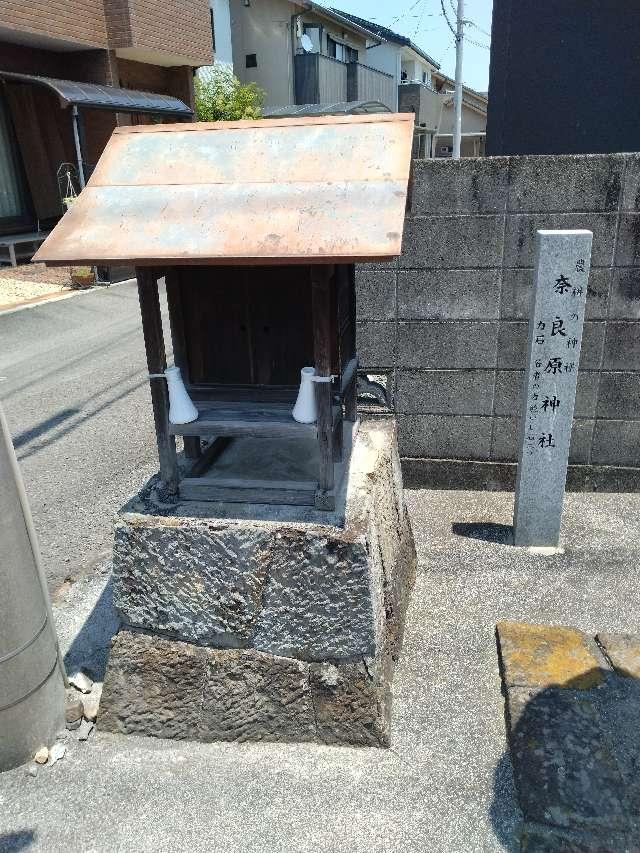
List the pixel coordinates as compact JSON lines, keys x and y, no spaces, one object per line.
{"x":385,"y":57}
{"x":264,"y":28}
{"x":222,"y":29}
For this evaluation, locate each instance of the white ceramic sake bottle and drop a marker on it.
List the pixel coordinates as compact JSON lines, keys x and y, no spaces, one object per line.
{"x":305,"y":411}
{"x":181,"y":408}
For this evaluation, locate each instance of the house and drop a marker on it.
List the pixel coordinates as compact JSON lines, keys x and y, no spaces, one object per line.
{"x":134,"y":62}
{"x":396,"y":54}
{"x":305,"y":53}
{"x":563,"y":77}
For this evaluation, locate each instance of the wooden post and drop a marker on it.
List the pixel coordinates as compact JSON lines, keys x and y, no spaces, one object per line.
{"x":156,"y":363}
{"x":351,"y":393}
{"x":192,"y":443}
{"x":321,"y":308}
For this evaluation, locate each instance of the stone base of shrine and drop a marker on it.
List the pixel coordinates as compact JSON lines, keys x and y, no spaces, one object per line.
{"x":282,"y":629}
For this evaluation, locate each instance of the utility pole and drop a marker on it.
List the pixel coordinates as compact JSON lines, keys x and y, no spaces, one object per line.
{"x":457,"y":98}
{"x":32,"y":677}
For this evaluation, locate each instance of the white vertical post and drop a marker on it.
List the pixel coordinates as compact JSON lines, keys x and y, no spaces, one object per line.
{"x":457,"y":99}
{"x":76,"y":138}
{"x":556,"y":320}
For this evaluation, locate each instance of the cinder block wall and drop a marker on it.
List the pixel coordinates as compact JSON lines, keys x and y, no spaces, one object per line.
{"x":447,"y":322}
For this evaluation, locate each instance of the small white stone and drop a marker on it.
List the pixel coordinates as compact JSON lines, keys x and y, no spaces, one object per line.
{"x":41,"y":756}
{"x":85,"y":730}
{"x":32,"y":770}
{"x":57,"y":752}
{"x":81,"y":681}
{"x":92,"y":702}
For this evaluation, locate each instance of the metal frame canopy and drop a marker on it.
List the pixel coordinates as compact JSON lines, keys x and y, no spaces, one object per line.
{"x":311,"y":190}
{"x":99,"y":97}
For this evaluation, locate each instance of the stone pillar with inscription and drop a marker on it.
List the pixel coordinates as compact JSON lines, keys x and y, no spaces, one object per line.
{"x":555,"y":336}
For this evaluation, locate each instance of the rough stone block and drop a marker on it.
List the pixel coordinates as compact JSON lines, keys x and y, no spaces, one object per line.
{"x":512,"y":345}
{"x":619,"y":395}
{"x":616,"y":442}
{"x":521,"y":229}
{"x":448,"y":294}
{"x":153,"y":687}
{"x":452,"y":242}
{"x":509,"y":390}
{"x":443,"y":437}
{"x":249,"y":695}
{"x":622,"y":346}
{"x":628,"y":246}
{"x":265,"y":600}
{"x":625,"y":294}
{"x":516,"y":294}
{"x":448,"y":392}
{"x":472,"y":185}
{"x":434,"y":345}
{"x":572,"y":182}
{"x":375,"y":294}
{"x":376,"y":342}
{"x":623,"y":651}
{"x":243,"y":695}
{"x":539,"y":656}
{"x":316,"y":601}
{"x":197,"y":581}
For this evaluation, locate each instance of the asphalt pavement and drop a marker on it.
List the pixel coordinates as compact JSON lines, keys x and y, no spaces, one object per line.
{"x":75,"y":393}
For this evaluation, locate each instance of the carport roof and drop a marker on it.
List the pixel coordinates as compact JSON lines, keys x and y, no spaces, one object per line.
{"x":102,"y":97}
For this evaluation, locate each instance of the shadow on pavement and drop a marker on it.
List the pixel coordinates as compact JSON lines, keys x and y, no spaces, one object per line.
{"x":486,"y":531}
{"x":90,"y":648}
{"x":13,"y":841}
{"x":575,"y":753}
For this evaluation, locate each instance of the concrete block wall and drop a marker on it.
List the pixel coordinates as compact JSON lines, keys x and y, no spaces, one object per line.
{"x":447,"y":322}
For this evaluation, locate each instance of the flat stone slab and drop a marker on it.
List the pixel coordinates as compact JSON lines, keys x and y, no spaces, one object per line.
{"x":573,"y":738}
{"x":312,"y":591}
{"x":541,"y":656}
{"x":623,"y":650}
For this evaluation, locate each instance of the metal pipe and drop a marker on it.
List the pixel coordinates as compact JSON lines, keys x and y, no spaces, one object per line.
{"x":457,"y":98}
{"x":76,"y":139}
{"x":32,"y":677}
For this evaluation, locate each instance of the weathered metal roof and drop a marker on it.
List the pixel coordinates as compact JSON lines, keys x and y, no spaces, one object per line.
{"x":309,"y":190}
{"x":101,"y":97}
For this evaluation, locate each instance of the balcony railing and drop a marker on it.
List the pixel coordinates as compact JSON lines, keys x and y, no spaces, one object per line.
{"x":322,"y":79}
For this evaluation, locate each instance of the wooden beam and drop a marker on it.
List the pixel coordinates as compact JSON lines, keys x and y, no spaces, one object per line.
{"x":192,"y":447}
{"x":156,"y":364}
{"x":206,"y":459}
{"x":321,"y":300}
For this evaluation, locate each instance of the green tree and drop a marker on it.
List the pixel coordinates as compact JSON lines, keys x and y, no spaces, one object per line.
{"x":222,"y":97}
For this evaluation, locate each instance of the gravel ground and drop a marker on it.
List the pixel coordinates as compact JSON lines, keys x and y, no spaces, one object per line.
{"x":445,"y":784}
{"x":28,"y":282}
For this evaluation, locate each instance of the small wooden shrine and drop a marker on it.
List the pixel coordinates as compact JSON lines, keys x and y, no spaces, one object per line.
{"x":255,"y":227}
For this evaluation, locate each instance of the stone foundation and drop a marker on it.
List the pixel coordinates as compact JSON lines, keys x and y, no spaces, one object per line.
{"x":272,"y":629}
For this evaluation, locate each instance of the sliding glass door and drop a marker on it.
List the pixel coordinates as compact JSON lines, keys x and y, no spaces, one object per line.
{"x":14,"y":206}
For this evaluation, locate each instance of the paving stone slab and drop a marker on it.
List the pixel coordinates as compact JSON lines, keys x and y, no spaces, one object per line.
{"x":623,"y":650}
{"x":565,"y":773}
{"x":544,"y":840}
{"x":540,"y":656}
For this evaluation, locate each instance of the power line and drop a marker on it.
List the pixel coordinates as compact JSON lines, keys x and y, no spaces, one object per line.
{"x":446,"y":17}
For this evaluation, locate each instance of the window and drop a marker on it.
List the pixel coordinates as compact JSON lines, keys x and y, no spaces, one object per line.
{"x":252,"y":60}
{"x":213,"y":30}
{"x":314,"y":31}
{"x":424,"y":76}
{"x":341,"y":51}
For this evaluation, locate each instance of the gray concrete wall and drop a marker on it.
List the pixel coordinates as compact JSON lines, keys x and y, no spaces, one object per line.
{"x":447,"y":321}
